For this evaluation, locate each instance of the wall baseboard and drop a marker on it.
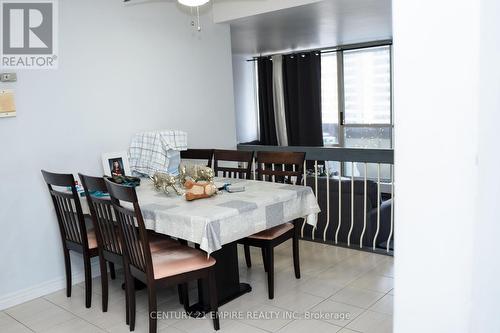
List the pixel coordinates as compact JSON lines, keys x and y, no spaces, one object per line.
{"x":45,"y":288}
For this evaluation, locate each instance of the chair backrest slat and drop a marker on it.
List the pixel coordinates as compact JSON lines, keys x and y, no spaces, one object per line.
{"x":242,"y":172}
{"x":131,"y":226}
{"x":198,"y":154}
{"x":101,"y":210}
{"x":281,"y":167}
{"x":68,"y":208}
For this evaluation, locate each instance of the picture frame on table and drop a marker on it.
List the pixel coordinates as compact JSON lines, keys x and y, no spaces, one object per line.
{"x":116,"y":164}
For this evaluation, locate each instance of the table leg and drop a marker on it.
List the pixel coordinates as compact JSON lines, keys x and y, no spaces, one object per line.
{"x":227,"y":275}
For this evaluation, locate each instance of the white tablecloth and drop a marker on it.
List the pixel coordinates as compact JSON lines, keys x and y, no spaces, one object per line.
{"x":226,"y":217}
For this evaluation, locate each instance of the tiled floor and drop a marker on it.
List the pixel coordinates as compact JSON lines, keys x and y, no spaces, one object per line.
{"x":341,"y":290}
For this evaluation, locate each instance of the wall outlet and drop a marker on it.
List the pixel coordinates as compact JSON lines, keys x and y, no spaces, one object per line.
{"x":8,"y":77}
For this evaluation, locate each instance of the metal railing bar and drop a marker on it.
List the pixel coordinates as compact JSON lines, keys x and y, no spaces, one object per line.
{"x":365,"y":196}
{"x":305,"y":184}
{"x":327,"y":169}
{"x":392,"y":210}
{"x":378,"y":208}
{"x":352,"y":205}
{"x":340,"y":211}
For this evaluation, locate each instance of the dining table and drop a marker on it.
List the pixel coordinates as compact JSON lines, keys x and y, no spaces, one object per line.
{"x":215,"y":224}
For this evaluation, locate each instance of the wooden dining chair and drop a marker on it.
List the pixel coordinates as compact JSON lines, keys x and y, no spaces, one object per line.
{"x":198,"y":154}
{"x":283,"y":167}
{"x":109,"y":243}
{"x":72,"y":226}
{"x":172,"y":265}
{"x":242,"y":172}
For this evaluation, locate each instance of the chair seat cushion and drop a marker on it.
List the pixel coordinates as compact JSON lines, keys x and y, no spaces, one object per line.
{"x":274,"y":232}
{"x":158,"y":242}
{"x":179,"y":259}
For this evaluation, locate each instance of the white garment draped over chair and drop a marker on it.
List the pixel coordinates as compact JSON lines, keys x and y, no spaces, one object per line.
{"x":156,"y":151}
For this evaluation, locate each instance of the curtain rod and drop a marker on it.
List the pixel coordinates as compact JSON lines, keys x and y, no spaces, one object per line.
{"x":334,"y":49}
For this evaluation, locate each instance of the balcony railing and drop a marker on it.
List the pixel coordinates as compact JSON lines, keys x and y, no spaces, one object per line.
{"x":355,"y":189}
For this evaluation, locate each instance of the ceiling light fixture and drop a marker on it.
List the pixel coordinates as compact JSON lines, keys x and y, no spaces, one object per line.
{"x":193,"y":3}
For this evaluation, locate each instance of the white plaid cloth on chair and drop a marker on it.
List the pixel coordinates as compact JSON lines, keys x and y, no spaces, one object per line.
{"x":151,"y":151}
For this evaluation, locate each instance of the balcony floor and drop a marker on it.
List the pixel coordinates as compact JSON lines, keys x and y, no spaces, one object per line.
{"x":356,"y":285}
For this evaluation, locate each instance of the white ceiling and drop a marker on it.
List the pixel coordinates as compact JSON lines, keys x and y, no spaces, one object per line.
{"x":319,"y":25}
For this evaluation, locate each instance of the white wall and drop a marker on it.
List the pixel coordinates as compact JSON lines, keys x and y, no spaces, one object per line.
{"x":122,"y":70}
{"x":244,"y":97}
{"x":486,"y":269}
{"x":447,"y":100}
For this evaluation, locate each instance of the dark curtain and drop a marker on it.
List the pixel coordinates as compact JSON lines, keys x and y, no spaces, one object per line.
{"x":266,"y":106}
{"x":302,"y":85}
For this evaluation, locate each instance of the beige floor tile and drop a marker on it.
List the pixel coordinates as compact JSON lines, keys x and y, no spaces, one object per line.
{"x":384,"y":305}
{"x":238,"y":327}
{"x":27,"y":309}
{"x":9,"y":324}
{"x":295,"y":300}
{"x":320,"y":287}
{"x":341,"y":274}
{"x":339,"y":314}
{"x":40,"y":314}
{"x":267,"y":317}
{"x":75,"y":303}
{"x":372,"y":322}
{"x":317,"y":326}
{"x":346,"y":330}
{"x":358,"y":297}
{"x":385,"y":268}
{"x":192,"y":325}
{"x":74,"y":326}
{"x":374,"y":282}
{"x":245,"y":302}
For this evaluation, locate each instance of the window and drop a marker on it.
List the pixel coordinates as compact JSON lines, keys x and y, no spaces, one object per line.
{"x":329,"y":99}
{"x":367,"y":108}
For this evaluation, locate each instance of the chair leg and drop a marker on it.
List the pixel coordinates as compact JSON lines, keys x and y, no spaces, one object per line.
{"x":127,"y":298}
{"x":270,"y":271}
{"x":248,"y":258}
{"x":104,"y":283}
{"x":296,"y":255}
{"x":264,"y":258}
{"x":67,"y":264}
{"x":131,"y":299}
{"x":88,"y":281}
{"x":212,"y":286}
{"x":112,"y":272}
{"x":152,"y":309}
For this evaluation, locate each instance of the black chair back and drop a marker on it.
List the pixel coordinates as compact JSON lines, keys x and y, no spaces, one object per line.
{"x":245,"y":157}
{"x":68,"y":208}
{"x":101,"y":210}
{"x":198,"y":154}
{"x":282,"y":167}
{"x":132,"y":228}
